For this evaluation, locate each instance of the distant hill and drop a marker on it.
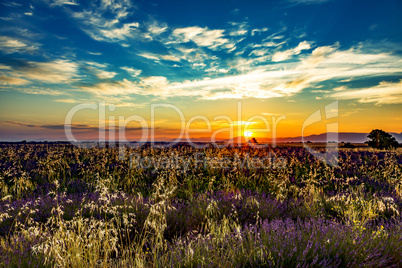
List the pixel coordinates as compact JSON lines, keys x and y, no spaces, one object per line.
{"x":343,"y":136}
{"x":352,"y":137}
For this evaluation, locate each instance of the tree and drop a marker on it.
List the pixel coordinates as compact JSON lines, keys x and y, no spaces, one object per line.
{"x":381,"y":139}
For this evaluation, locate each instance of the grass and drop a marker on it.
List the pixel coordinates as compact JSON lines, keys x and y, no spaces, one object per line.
{"x":66,"y":206}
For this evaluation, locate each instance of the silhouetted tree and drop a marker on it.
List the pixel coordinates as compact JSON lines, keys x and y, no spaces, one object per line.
{"x":381,"y":139}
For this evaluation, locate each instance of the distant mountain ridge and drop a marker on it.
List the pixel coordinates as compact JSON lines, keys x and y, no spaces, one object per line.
{"x":353,"y":137}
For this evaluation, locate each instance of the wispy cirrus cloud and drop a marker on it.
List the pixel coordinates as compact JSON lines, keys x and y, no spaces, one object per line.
{"x":11,"y":45}
{"x":98,"y":70}
{"x":132,"y":71}
{"x":63,"y":2}
{"x":107,"y":20}
{"x":204,"y":37}
{"x":57,"y":71}
{"x":40,"y":91}
{"x":23,"y":76}
{"x":384,"y":93}
{"x":158,"y":57}
{"x":284,"y":55}
{"x":312,"y":70}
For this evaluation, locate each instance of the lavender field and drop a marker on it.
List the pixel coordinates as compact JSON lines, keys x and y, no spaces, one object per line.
{"x":67,"y":206}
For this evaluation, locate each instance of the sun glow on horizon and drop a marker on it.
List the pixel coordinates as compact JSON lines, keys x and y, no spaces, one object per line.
{"x":248,"y":133}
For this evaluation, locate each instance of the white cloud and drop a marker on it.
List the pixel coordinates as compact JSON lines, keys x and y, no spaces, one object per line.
{"x":341,"y":88}
{"x":95,"y":53}
{"x":58,"y":71}
{"x":113,"y":88}
{"x":96,"y":64}
{"x":239,"y":29}
{"x":194,"y":55}
{"x":258,"y":31}
{"x":213,"y":39}
{"x":158,"y":57}
{"x":97,"y":69}
{"x":63,"y":2}
{"x":119,"y":33}
{"x":258,"y":84}
{"x":384,"y":93}
{"x":319,"y":54}
{"x":170,"y":57}
{"x":287,"y":54}
{"x":133,"y":72}
{"x":259,"y":52}
{"x":149,"y":56}
{"x":106,"y":22}
{"x":102,"y":74}
{"x":11,"y":45}
{"x":154,"y":29}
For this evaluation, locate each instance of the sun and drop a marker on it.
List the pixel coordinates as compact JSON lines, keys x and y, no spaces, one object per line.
{"x":248,"y":133}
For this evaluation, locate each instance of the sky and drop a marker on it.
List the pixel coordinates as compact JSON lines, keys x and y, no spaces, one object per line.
{"x":198,"y":68}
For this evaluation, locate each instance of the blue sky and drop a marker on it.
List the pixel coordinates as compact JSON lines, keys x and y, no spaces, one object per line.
{"x":279,"y":57}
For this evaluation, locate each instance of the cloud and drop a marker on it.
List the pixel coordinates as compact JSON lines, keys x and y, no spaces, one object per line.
{"x":98,"y":70}
{"x":40,"y":91}
{"x":239,"y":29}
{"x":133,"y":72}
{"x":149,"y":56}
{"x":53,"y":126}
{"x":10,"y":45}
{"x":319,"y":54}
{"x":57,"y":71}
{"x":5,"y":80}
{"x":195,"y":55}
{"x":105,"y":22}
{"x":326,"y":63}
{"x":76,"y":127}
{"x":119,"y":33}
{"x":170,"y":58}
{"x":95,"y":53}
{"x":213,"y":39}
{"x":287,"y":54}
{"x":258,"y":31}
{"x":154,"y":29}
{"x":123,"y":87}
{"x":259,"y":84}
{"x":63,"y":2}
{"x":158,"y":57}
{"x":384,"y":93}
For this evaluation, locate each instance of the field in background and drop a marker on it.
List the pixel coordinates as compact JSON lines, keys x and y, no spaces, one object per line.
{"x":185,"y":207}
